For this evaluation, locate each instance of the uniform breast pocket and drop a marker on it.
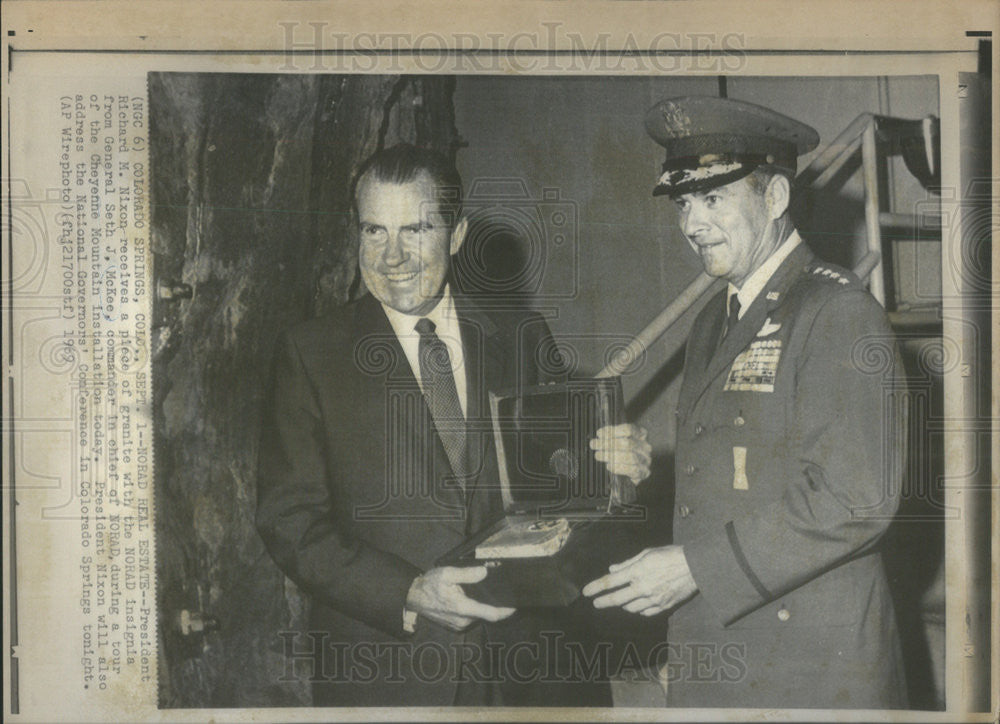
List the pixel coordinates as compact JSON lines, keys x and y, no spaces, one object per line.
{"x":756,"y":386}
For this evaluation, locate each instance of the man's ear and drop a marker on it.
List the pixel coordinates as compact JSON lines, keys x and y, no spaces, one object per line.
{"x":458,"y":235}
{"x":778,"y":196}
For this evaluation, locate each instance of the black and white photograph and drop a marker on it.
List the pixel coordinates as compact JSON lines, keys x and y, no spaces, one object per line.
{"x":500,"y":367}
{"x":778,"y":433}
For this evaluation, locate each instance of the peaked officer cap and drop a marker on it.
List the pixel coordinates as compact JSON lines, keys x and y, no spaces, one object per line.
{"x":714,"y":141}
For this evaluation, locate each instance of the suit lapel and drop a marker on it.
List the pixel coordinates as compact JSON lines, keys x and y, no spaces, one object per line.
{"x":744,"y":331}
{"x":483,"y":369}
{"x":701,"y":345}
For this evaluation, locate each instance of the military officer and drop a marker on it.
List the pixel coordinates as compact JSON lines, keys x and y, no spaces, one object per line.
{"x":786,"y":473}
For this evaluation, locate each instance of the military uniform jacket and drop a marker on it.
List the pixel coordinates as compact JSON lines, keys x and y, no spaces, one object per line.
{"x":787,"y":475}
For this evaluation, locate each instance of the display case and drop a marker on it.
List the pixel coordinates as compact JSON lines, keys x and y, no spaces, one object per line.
{"x":567,"y":518}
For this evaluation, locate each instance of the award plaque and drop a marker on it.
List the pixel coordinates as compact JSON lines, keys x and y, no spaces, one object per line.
{"x":543,"y":445}
{"x":567,"y":518}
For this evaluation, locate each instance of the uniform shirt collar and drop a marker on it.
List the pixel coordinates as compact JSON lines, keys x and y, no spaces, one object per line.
{"x":756,"y":282}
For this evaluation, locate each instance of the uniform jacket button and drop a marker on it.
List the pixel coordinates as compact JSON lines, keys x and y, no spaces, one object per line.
{"x":739,"y":421}
{"x":698,"y":429}
{"x":690,"y":469}
{"x":784,"y":614}
{"x":684,"y":511}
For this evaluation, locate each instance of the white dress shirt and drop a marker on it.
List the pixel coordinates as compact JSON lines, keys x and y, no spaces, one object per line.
{"x":756,"y":282}
{"x":447,"y":329}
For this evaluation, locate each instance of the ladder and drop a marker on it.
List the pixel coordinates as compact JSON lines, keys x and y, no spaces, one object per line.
{"x":872,"y":139}
{"x":868,"y":141}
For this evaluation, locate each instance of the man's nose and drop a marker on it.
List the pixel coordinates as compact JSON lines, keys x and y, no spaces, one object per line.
{"x":693,"y":221}
{"x":395,"y":252}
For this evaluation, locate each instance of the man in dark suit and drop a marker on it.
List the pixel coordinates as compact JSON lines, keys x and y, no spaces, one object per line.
{"x":377,"y":459}
{"x":787,"y":458}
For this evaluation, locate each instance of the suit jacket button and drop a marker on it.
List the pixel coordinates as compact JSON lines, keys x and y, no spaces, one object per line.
{"x":739,"y":421}
{"x":698,"y":429}
{"x":684,"y":511}
{"x":690,"y":469}
{"x":784,"y":614}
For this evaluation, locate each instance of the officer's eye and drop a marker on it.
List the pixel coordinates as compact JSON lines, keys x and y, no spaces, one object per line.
{"x":712,"y":199}
{"x":682,"y":204}
{"x":371,"y":231}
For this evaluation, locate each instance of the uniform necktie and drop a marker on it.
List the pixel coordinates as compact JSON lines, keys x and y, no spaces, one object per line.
{"x":731,"y":319}
{"x":442,"y":397}
{"x":734,"y":311}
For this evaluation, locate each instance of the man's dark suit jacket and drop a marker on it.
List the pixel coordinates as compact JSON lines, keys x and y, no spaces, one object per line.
{"x":356,"y":499}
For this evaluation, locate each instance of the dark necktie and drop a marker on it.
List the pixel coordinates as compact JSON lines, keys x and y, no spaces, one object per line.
{"x":733,"y":318}
{"x":442,"y":397}
{"x":734,"y":311}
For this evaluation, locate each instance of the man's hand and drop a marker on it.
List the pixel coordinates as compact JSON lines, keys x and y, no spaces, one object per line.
{"x":625,"y":451}
{"x":649,"y":583}
{"x":438,"y":596}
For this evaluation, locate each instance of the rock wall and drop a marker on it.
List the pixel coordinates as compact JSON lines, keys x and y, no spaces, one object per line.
{"x":251,"y":232}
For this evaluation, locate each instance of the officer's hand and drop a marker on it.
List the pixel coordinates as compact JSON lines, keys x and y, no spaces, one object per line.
{"x":652,"y":582}
{"x":437,"y":595}
{"x":625,"y":451}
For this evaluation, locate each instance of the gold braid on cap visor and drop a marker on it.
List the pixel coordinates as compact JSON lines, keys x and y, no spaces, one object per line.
{"x":689,"y":180}
{"x":689,"y":174}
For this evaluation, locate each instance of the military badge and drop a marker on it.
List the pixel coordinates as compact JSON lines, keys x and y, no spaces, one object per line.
{"x":768,"y":329}
{"x":754,"y":369}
